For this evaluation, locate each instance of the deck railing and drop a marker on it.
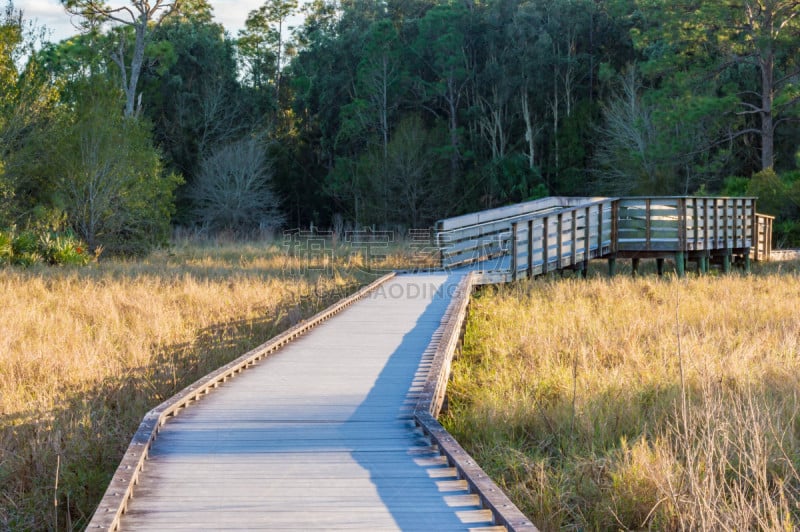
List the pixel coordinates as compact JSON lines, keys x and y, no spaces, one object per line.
{"x":673,"y":224}
{"x":556,"y":233}
{"x":763,"y":241}
{"x":486,"y":234}
{"x":568,"y":238}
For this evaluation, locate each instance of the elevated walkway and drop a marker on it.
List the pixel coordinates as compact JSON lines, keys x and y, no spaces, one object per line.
{"x":550,"y":234}
{"x":332,"y":424}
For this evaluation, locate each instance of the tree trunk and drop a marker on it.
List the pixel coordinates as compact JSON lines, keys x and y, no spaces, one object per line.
{"x":767,"y":95}
{"x":530,"y":134}
{"x":452,"y":102}
{"x":136,"y":66}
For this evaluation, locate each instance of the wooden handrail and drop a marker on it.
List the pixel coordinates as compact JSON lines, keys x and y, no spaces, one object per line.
{"x":429,"y":406}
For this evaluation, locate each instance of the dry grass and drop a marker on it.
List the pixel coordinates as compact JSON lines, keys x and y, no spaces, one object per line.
{"x":626,"y":404}
{"x":84,"y":353}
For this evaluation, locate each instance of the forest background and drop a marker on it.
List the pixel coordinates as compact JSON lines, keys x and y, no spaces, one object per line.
{"x":389,"y":114}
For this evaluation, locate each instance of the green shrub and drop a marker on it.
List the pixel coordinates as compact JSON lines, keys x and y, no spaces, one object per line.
{"x":25,"y":243}
{"x":63,"y":249}
{"x":6,"y":247}
{"x":28,"y":248}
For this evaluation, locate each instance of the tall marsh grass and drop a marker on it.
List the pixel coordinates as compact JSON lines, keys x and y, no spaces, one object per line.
{"x":86,"y":352}
{"x":608,"y":404}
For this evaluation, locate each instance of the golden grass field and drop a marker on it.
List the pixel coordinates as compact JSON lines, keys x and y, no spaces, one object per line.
{"x":613,"y":404}
{"x":599,"y":404}
{"x":86,"y":352}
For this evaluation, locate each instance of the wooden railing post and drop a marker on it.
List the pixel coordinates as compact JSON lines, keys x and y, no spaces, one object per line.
{"x":695,"y":223}
{"x":514,"y":251}
{"x":560,"y":240}
{"x":586,"y":236}
{"x":545,"y":243}
{"x":726,"y":258}
{"x":600,"y":230}
{"x":573,"y":250}
{"x":754,"y":231}
{"x":530,"y":249}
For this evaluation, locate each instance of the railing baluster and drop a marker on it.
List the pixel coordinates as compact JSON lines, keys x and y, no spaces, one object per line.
{"x":530,"y":249}
{"x":514,"y":250}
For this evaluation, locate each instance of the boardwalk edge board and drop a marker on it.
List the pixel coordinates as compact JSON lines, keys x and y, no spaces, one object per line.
{"x":430,"y":403}
{"x":122,"y":485}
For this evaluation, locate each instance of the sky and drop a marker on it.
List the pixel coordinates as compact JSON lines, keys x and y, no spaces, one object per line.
{"x":50,"y":13}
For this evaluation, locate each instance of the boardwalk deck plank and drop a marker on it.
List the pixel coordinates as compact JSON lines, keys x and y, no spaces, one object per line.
{"x":317,"y":436}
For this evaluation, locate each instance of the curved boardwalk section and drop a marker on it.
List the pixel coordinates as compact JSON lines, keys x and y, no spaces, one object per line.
{"x":320,"y":435}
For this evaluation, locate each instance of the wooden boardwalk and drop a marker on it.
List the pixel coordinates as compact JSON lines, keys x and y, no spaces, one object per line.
{"x":319,"y":435}
{"x":333,"y":425}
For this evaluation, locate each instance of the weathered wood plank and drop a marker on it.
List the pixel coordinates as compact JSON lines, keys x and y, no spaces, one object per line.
{"x":268,"y":445}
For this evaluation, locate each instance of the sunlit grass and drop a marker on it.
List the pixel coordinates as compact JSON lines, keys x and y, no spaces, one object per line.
{"x":86,"y":352}
{"x":569,"y":392}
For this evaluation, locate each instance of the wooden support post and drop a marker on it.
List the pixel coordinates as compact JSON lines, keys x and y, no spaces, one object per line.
{"x":725,"y":223}
{"x":754,"y":228}
{"x":634,"y":267}
{"x":704,"y":264}
{"x":726,"y":261}
{"x":747,"y":265}
{"x":706,"y":222}
{"x":756,"y":236}
{"x":612,"y":266}
{"x":680,"y":263}
{"x":660,"y":267}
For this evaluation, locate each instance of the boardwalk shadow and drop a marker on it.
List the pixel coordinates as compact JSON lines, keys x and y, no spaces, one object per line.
{"x":401,"y":379}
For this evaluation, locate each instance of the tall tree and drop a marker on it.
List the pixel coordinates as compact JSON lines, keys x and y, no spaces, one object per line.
{"x":108,"y":176}
{"x":27,"y":105}
{"x":139,"y":16}
{"x":442,"y":45}
{"x":264,"y":36}
{"x":195,"y":101}
{"x":745,"y":50}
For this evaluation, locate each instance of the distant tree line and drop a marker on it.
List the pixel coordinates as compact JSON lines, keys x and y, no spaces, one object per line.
{"x":391,"y":113}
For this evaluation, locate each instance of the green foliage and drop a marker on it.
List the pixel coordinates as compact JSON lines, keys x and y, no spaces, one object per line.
{"x":109,"y":180}
{"x":27,"y":103}
{"x":735,"y":186}
{"x":63,"y":249}
{"x":26,"y":248}
{"x":6,"y":247}
{"x":194,"y":100}
{"x":727,"y":60}
{"x":778,"y":195}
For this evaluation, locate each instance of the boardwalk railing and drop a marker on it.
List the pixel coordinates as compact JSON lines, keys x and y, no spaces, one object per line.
{"x":536,"y":237}
{"x":672,"y":224}
{"x":429,"y":406}
{"x":568,"y":238}
{"x":763,"y":247}
{"x":484,"y":235}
